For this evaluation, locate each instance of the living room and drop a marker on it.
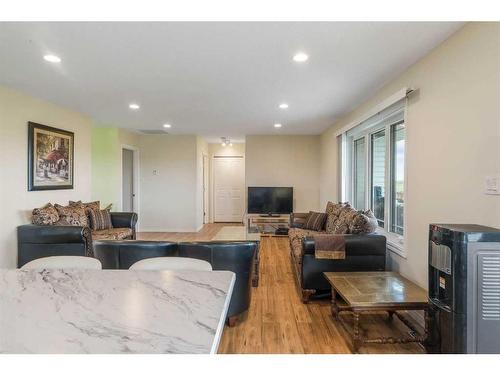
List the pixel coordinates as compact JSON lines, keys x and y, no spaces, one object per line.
{"x":303,"y":177}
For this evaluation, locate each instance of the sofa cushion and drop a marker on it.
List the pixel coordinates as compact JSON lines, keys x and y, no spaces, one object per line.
{"x":363,"y":222}
{"x":112,"y":234}
{"x":46,"y":215}
{"x":100,"y":219}
{"x":315,"y":221}
{"x":295,"y":236}
{"x":72,"y":215}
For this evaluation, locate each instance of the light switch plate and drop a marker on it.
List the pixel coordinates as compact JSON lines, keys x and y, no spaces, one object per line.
{"x":492,"y":185}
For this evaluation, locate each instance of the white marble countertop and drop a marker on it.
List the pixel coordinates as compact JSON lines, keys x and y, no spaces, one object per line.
{"x":113,"y":311}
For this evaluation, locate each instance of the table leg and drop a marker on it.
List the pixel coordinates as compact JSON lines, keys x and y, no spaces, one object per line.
{"x":355,"y":341}
{"x":390,"y":313}
{"x":335,"y":307}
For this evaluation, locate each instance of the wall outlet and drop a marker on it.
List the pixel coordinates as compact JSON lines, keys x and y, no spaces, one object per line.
{"x":156,"y":172}
{"x":492,"y":185}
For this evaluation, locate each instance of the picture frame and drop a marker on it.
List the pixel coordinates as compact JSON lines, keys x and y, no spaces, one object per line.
{"x":50,"y":158}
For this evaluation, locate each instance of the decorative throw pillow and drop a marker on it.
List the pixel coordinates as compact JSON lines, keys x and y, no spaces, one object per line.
{"x":72,"y":215}
{"x":341,"y":225}
{"x":315,"y":221}
{"x":100,"y":220}
{"x":333,"y":211}
{"x":46,"y":215}
{"x":363,"y":222}
{"x":95,"y":206}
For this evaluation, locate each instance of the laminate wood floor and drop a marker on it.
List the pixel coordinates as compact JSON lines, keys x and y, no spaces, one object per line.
{"x":278,"y":322}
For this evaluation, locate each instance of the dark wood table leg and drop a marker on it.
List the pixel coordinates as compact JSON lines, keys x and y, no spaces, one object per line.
{"x":355,"y":338}
{"x":390,"y":313}
{"x":335,"y":307}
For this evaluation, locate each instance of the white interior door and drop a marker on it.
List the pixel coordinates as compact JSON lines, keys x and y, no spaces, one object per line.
{"x":229,"y":189}
{"x":205,"y":189}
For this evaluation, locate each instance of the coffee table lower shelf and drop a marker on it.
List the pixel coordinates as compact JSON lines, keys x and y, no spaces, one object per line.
{"x":354,"y":331}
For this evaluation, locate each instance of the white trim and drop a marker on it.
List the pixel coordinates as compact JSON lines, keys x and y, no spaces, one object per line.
{"x":401,"y":94}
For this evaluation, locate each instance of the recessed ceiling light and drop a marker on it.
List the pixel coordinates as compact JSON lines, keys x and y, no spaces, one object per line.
{"x":277,"y":125}
{"x":134,"y":106}
{"x":300,"y":57}
{"x":283,"y":106}
{"x":52,"y":58}
{"x":167,"y":125}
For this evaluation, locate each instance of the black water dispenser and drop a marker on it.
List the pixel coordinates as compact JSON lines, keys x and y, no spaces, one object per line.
{"x":464,"y":288}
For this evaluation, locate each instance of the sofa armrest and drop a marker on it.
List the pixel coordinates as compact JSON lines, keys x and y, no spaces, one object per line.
{"x":297,"y":219}
{"x":51,"y":234}
{"x":355,"y":244}
{"x":124,"y":219}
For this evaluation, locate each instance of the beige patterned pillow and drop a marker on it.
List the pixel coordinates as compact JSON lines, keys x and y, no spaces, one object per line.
{"x":341,"y":225}
{"x":333,"y":210}
{"x":95,"y":206}
{"x":72,"y":215}
{"x":46,"y":215}
{"x":363,"y":222}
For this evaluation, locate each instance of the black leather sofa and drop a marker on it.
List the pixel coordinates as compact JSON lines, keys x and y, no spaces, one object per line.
{"x":366,"y":252}
{"x":237,"y":257}
{"x":38,"y":241}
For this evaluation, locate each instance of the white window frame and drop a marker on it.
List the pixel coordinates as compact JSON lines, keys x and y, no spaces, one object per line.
{"x":381,"y":121}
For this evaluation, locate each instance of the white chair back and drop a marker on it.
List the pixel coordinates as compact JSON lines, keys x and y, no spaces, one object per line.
{"x":64,"y":262}
{"x":171,"y":264}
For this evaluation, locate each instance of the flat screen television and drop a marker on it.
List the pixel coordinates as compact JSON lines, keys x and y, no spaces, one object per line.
{"x":270,"y":200}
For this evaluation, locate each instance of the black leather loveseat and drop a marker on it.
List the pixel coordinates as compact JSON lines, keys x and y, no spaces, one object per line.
{"x":237,"y":257}
{"x":363,"y":253}
{"x":38,"y":241}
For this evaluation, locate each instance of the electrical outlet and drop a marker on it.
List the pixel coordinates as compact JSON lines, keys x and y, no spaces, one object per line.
{"x":156,"y":172}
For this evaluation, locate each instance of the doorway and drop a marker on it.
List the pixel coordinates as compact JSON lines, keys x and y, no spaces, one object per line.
{"x":229,"y":188}
{"x":205,"y":189}
{"x":130,"y":163}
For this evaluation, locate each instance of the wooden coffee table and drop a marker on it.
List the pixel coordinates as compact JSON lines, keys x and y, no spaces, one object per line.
{"x":376,"y":291}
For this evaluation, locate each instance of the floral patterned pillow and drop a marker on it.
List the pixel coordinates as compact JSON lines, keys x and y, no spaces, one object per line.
{"x":72,"y":215}
{"x":46,"y":215}
{"x":94,"y":206}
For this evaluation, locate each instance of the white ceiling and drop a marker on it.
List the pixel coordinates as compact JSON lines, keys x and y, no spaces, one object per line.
{"x":212,"y":79}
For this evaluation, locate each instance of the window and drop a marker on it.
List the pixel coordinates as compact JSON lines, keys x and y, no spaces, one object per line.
{"x":359,"y":175}
{"x":377,"y":188}
{"x":375,"y":170}
{"x":398,"y":135}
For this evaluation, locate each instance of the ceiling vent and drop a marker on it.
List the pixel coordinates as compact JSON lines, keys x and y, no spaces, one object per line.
{"x":153,"y":131}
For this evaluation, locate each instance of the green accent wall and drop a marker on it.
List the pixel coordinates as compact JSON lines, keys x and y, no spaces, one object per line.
{"x":106,"y":165}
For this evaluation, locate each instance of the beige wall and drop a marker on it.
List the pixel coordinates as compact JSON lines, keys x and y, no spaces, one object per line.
{"x":107,"y":145}
{"x":453,"y":138}
{"x":16,"y":109}
{"x":168,"y":200}
{"x":286,"y":160}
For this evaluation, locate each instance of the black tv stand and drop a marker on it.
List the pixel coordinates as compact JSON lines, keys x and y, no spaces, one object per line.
{"x":269,"y":215}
